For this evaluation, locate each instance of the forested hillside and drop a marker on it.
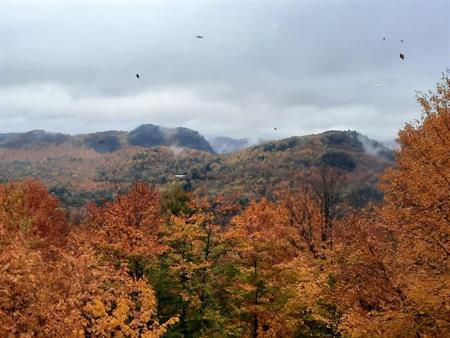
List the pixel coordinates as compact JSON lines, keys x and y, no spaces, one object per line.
{"x":299,"y":258}
{"x":85,"y":169}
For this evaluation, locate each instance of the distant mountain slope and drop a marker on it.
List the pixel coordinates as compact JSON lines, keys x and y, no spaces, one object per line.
{"x":31,"y":138}
{"x":146,"y":135}
{"x":101,"y":160}
{"x":262,"y":169}
{"x":103,"y":142}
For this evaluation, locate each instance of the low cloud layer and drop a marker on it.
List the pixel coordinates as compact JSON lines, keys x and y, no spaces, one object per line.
{"x":298,"y":67}
{"x":56,"y":108}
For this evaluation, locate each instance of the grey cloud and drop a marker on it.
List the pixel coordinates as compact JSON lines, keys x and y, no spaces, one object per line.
{"x":302,"y":67}
{"x":182,"y":106}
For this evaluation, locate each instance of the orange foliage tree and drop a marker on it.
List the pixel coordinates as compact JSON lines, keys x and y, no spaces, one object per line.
{"x":368,"y":286}
{"x":417,"y":194}
{"x":394,"y":259}
{"x":129,"y":225}
{"x":27,"y":206}
{"x":259,"y":249}
{"x":418,"y":189}
{"x":72,"y":292}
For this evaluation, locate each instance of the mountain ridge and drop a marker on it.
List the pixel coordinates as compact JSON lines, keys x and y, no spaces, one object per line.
{"x":99,"y":161}
{"x":145,"y":135}
{"x":150,"y":135}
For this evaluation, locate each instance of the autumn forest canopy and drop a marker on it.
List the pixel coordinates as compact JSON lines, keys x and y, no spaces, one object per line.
{"x":285,"y":239}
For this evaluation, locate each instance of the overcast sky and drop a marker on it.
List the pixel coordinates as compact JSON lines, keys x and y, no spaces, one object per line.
{"x":300,"y":66}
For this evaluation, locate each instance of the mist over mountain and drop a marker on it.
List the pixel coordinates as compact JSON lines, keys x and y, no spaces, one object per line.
{"x":226,"y":145}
